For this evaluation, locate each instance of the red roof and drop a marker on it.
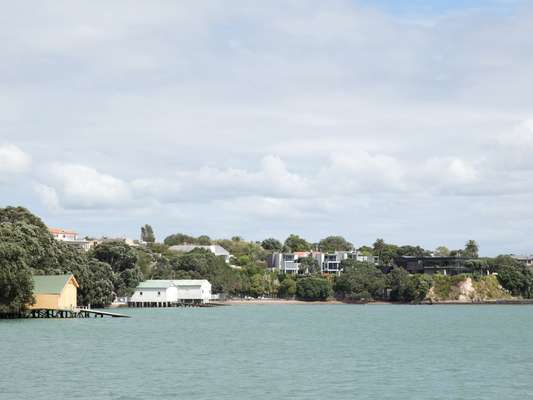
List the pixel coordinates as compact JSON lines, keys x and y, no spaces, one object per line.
{"x":58,"y":231}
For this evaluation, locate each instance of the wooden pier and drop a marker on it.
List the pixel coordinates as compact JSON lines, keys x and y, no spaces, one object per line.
{"x":63,"y":313}
{"x":167,"y":304}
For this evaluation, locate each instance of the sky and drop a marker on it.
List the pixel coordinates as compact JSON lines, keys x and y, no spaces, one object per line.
{"x":410,"y":121}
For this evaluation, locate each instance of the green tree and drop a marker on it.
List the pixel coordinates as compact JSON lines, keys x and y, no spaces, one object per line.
{"x":334,"y":243}
{"x":360,"y":281}
{"x":296,"y":243}
{"x":309,"y":265}
{"x":313,"y":288}
{"x":257,"y":287}
{"x":408,"y":288}
{"x":147,"y":234}
{"x":471,"y":249}
{"x":271,"y":244}
{"x":287,"y":288}
{"x":442,"y":251}
{"x":16,"y":284}
{"x":118,"y":254}
{"x":179,"y":238}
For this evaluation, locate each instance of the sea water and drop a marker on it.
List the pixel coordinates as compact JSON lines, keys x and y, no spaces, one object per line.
{"x":274,"y":352}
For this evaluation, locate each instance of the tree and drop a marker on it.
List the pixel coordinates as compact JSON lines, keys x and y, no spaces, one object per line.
{"x":16,"y":283}
{"x":334,"y":243}
{"x":471,"y":249}
{"x":408,"y":288}
{"x":147,"y":234}
{"x":296,"y":243}
{"x":179,"y":238}
{"x":309,"y":265}
{"x":287,"y":288}
{"x":360,"y":281}
{"x":118,"y":254}
{"x":313,"y":288}
{"x":203,"y":240}
{"x":271,"y":244}
{"x":442,"y":251}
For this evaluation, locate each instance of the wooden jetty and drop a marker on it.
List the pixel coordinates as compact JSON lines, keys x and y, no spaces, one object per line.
{"x":63,"y":313}
{"x":173,"y":304}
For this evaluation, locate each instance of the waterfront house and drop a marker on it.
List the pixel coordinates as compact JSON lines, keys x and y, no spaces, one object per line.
{"x":216,"y":249}
{"x":165,"y":293}
{"x":288,"y":263}
{"x":58,"y":292}
{"x":434,"y":265}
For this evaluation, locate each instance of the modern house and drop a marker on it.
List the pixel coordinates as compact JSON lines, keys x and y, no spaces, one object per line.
{"x":58,"y":292}
{"x":216,"y":249}
{"x":166,"y":293}
{"x":71,"y":238}
{"x":434,"y":265}
{"x":523,"y":259}
{"x":329,"y":262}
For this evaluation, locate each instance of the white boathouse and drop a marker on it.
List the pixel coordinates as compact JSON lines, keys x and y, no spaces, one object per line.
{"x":168,"y":293}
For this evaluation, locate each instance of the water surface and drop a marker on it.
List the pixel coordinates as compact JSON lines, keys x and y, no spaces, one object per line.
{"x":274,"y":352}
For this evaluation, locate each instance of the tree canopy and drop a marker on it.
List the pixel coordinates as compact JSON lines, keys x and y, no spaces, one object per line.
{"x":334,"y":243}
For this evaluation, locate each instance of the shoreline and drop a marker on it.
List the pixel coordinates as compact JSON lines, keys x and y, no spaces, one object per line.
{"x":337,"y":302}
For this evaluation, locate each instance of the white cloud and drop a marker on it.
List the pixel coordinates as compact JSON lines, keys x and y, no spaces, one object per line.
{"x":79,"y":187}
{"x":315,"y":114}
{"x":13,"y":161}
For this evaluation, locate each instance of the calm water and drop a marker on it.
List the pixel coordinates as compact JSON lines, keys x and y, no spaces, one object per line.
{"x":274,"y":352}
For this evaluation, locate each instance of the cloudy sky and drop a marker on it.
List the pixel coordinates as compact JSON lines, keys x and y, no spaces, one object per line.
{"x":407,"y":120}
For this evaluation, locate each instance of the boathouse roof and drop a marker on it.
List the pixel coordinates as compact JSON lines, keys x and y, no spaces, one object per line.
{"x":51,"y":284}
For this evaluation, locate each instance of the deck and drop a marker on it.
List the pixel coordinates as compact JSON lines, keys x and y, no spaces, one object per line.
{"x":63,"y":313}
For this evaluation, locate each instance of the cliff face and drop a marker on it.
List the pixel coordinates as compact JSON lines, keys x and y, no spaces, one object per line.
{"x":465,"y":289}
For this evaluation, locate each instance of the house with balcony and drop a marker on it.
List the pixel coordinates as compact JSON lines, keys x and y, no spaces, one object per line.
{"x":71,"y":238}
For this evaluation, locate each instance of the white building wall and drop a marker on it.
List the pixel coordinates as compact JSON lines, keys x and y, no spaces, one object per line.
{"x":154,"y":295}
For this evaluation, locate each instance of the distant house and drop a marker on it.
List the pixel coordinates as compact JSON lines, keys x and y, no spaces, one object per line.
{"x":288,"y":263}
{"x":433,"y":265}
{"x":71,"y":238}
{"x":165,"y":293}
{"x":523,"y":259}
{"x":58,"y":292}
{"x":216,"y":249}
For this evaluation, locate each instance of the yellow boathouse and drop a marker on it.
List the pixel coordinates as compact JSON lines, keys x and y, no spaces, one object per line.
{"x":58,"y":292}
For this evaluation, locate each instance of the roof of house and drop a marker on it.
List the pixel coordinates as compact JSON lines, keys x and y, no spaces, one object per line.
{"x":166,"y":283}
{"x":215,"y":248}
{"x":51,"y":284}
{"x":57,"y":231}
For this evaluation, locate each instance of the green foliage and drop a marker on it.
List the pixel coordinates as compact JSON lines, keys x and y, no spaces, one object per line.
{"x":271,"y":244}
{"x":147,"y":234}
{"x":118,"y":254}
{"x":408,"y":288}
{"x":309,"y":265}
{"x":287,"y":288}
{"x":313,"y":288}
{"x":334,"y":243}
{"x":296,"y":243}
{"x":518,"y":279}
{"x":360,"y":281}
{"x":471,"y":249}
{"x":41,"y":254}
{"x":16,"y":284}
{"x":442,"y":251}
{"x":181,"y":238}
{"x":255,"y":254}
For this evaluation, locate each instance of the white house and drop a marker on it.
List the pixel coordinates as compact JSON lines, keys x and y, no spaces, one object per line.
{"x":70,"y":237}
{"x":158,"y":293}
{"x":216,"y":249}
{"x":166,"y":293}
